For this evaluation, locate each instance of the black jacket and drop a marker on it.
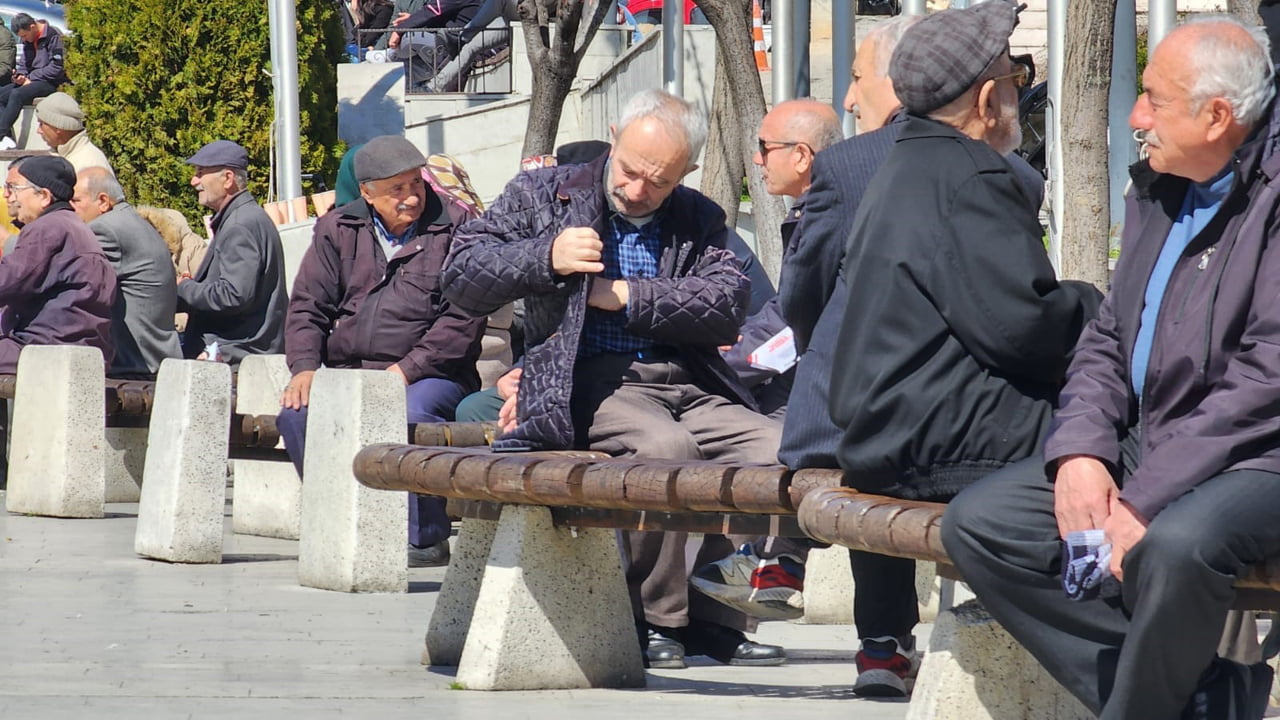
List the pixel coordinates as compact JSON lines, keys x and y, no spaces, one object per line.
{"x":956,"y":333}
{"x":696,"y":303}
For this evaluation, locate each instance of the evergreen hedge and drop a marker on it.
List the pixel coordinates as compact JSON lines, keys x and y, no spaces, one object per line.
{"x":159,"y":78}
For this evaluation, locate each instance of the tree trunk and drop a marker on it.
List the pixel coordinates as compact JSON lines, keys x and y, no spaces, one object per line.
{"x":1246,"y":10}
{"x":556,"y":40}
{"x":1086,"y":84}
{"x":723,"y":165}
{"x":732,"y":22}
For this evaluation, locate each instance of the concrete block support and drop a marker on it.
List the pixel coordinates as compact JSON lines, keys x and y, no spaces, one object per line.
{"x":552,"y":612}
{"x":451,"y":618}
{"x":975,"y":670}
{"x":268,"y":494}
{"x":828,"y":587}
{"x":352,"y":537}
{"x":184,"y":486}
{"x":56,"y":465}
{"x":126,"y":458}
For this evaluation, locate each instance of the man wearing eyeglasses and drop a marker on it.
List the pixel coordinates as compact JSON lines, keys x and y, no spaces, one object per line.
{"x":236,"y":299}
{"x":955,"y":333}
{"x":56,"y":285}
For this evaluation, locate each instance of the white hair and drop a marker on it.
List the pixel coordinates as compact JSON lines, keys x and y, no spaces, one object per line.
{"x":1237,"y":71}
{"x":676,"y":114}
{"x":885,"y":36}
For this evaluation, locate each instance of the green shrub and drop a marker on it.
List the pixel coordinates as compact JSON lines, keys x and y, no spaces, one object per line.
{"x":159,"y":78}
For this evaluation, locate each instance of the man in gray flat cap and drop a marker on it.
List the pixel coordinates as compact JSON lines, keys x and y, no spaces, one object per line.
{"x":375,"y":265}
{"x":955,"y":332}
{"x":236,"y":299}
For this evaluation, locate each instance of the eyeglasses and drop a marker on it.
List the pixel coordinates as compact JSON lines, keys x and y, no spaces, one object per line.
{"x":1021,"y":76}
{"x":763,"y":145}
{"x":10,"y":188}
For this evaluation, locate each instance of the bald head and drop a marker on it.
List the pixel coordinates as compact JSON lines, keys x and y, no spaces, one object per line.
{"x":790,"y":135}
{"x":97,"y":191}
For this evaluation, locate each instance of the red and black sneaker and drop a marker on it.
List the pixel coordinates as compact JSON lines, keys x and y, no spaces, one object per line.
{"x":886,"y":665}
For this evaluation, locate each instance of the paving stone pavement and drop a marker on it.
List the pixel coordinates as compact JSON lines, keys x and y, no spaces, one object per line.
{"x":93,"y":631}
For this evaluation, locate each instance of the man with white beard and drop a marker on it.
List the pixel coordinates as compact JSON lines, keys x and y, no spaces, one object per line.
{"x":955,"y":334}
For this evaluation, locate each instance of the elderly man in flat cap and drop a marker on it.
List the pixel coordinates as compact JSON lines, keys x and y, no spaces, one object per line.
{"x":60,"y":122}
{"x":236,"y":299}
{"x":56,"y":285}
{"x":955,"y":333}
{"x":1112,"y":554}
{"x":375,"y":266}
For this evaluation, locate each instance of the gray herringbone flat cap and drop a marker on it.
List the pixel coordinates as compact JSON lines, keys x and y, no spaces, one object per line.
{"x":386,"y":156}
{"x":940,"y":57}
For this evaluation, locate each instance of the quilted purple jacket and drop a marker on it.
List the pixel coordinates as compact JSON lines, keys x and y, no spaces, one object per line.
{"x":696,"y":303}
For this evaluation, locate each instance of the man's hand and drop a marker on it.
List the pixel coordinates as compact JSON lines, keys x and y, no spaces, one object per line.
{"x":507,"y":414}
{"x":1083,"y":494}
{"x":575,"y":250}
{"x":393,"y":42}
{"x":297,"y":394}
{"x":399,"y":373}
{"x":608,"y":294}
{"x":1124,"y":528}
{"x":400,"y":18}
{"x":19,"y":79}
{"x":509,"y":384}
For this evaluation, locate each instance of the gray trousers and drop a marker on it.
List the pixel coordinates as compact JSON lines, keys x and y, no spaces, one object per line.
{"x":1136,"y":657}
{"x":653,"y":409}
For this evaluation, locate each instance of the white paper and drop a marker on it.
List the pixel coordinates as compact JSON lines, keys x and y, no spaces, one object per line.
{"x":778,"y":353}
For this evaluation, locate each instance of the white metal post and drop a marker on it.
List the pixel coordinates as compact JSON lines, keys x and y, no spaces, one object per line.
{"x":1057,"y":22}
{"x":284,"y":41}
{"x":1124,"y":89}
{"x":1162,"y":16}
{"x":673,"y":48}
{"x":913,"y":7}
{"x":784,"y":66}
{"x":844,"y":41}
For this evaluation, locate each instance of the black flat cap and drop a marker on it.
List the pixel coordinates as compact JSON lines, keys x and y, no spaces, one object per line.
{"x":386,"y":156}
{"x":221,"y":153}
{"x":940,"y":57}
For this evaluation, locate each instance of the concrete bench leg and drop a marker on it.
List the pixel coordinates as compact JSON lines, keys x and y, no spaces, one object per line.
{"x":56,"y":465}
{"x":975,"y":670}
{"x":552,"y":612}
{"x":126,"y":459}
{"x":828,"y":587}
{"x":184,"y":488}
{"x":353,"y":538}
{"x":456,"y":602}
{"x":268,"y":494}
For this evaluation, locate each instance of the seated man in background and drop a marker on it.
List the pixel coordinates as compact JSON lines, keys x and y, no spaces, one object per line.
{"x":236,"y":300}
{"x":60,"y":122}
{"x":40,"y":71}
{"x":142,"y":330}
{"x":56,"y":285}
{"x":628,"y":292}
{"x":367,"y":295}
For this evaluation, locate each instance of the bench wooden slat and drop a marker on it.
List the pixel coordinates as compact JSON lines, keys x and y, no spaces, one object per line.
{"x":648,"y":520}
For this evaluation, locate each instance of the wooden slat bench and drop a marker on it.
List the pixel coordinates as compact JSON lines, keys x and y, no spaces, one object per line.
{"x":534,"y":597}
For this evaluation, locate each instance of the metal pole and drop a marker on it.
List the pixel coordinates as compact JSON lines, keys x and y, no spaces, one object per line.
{"x":1122,"y":152}
{"x":843,"y":46}
{"x":784,"y":67}
{"x":1162,"y":16}
{"x":673,"y":48}
{"x":1057,"y":22}
{"x":914,"y":7}
{"x":800,"y":38}
{"x":273,"y":181}
{"x":285,"y":44}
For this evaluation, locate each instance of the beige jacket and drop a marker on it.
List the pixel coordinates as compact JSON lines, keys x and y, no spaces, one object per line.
{"x":82,"y":153}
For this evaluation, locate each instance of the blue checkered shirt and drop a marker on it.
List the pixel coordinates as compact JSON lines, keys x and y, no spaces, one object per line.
{"x":630,"y":252}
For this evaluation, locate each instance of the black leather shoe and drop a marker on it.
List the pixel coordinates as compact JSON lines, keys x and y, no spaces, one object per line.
{"x":431,"y":556}
{"x":662,"y":652}
{"x":729,"y":646}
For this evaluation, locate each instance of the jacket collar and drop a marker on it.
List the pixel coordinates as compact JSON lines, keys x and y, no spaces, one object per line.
{"x":241,"y":198}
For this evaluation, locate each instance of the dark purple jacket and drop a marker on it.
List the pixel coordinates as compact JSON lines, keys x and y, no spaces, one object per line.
{"x":1213,"y":381}
{"x":353,"y":308}
{"x":56,"y":288}
{"x":696,"y":303}
{"x":44,"y":60}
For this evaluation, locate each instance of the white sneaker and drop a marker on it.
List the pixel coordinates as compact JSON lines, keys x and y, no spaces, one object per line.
{"x":7,"y":143}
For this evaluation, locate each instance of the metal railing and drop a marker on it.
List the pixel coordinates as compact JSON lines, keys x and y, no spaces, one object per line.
{"x":445,"y":60}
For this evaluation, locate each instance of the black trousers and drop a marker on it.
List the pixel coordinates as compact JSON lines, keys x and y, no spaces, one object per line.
{"x":13,"y":97}
{"x":1138,"y":656}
